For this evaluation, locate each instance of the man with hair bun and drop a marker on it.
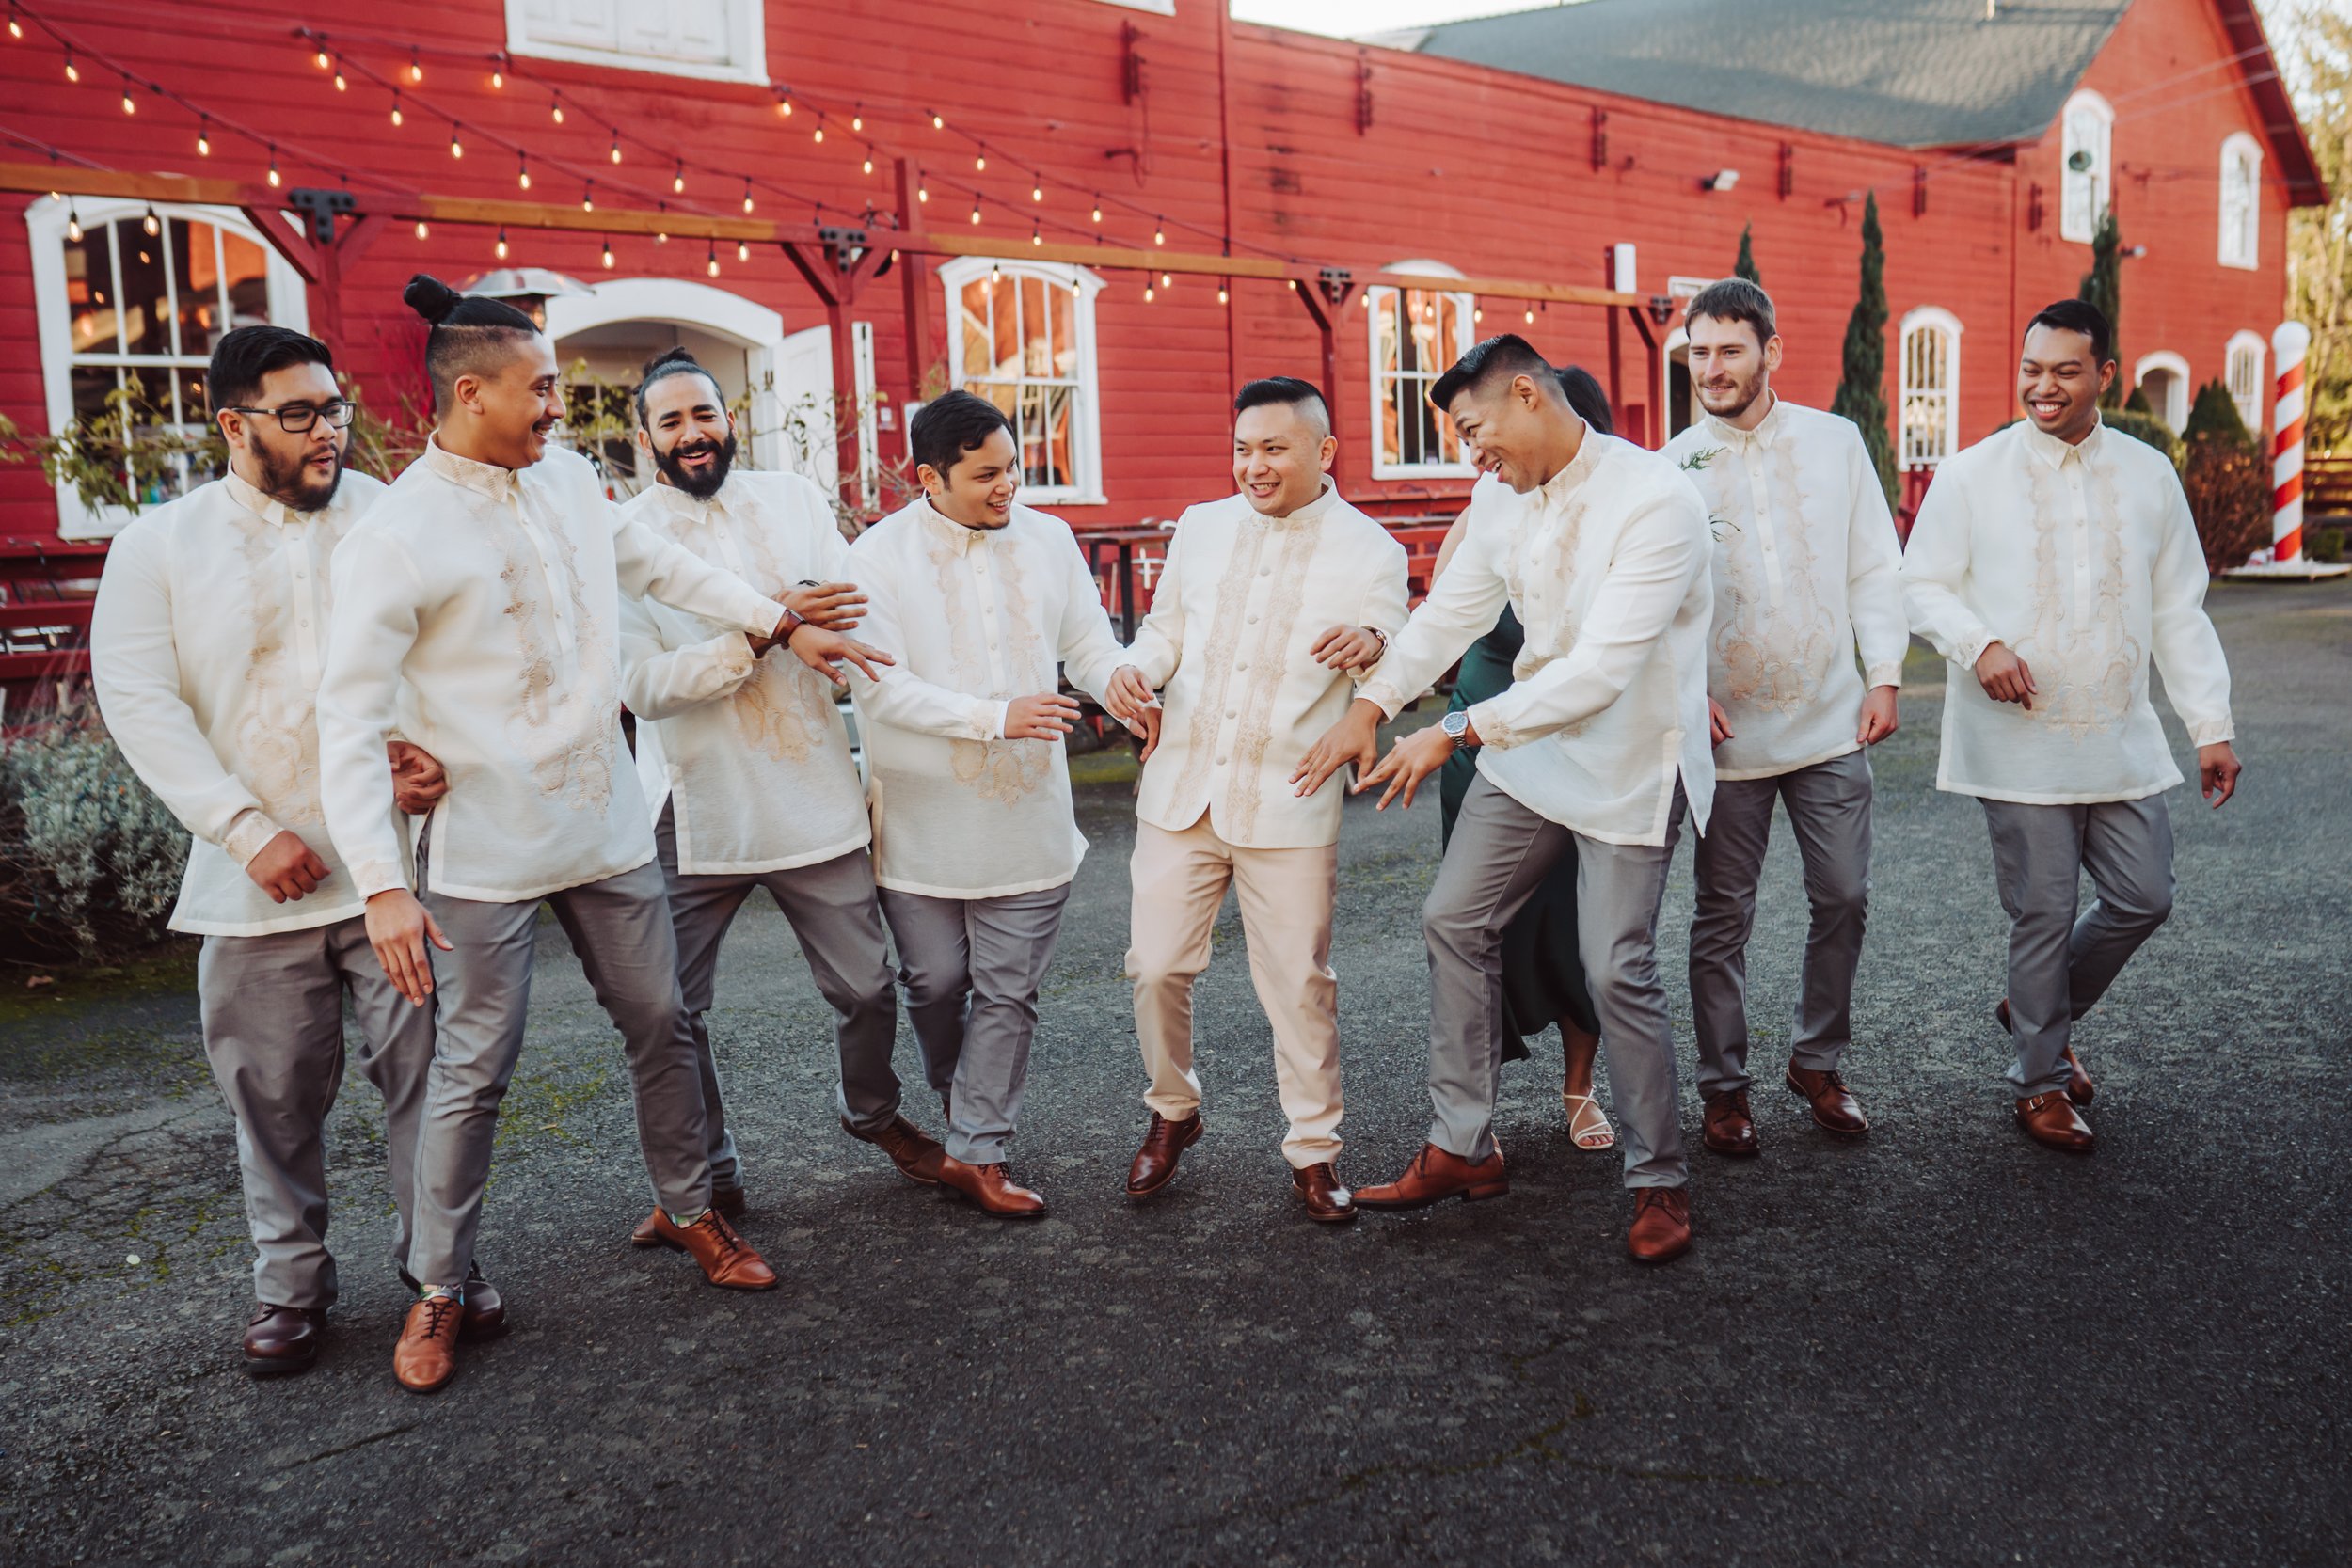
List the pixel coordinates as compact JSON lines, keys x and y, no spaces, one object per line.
{"x":745,"y":762}
{"x":1804,"y":661}
{"x":1596,"y":749}
{"x":478,"y":605}
{"x":975,"y":838}
{"x":1269,"y":606}
{"x":205,"y":647}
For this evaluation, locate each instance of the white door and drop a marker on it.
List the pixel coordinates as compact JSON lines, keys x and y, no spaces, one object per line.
{"x":802,"y":412}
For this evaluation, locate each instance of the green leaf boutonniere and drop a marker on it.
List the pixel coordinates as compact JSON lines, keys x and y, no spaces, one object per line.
{"x":1696,"y":463}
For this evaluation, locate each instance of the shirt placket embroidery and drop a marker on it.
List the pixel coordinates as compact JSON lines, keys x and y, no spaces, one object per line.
{"x":1760,"y":511}
{"x":2081,"y":554}
{"x":982,"y":553}
{"x":559,"y":582}
{"x":297,"y":542}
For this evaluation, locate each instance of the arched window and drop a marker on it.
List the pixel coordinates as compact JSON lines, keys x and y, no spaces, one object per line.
{"x":2162,"y":378}
{"x":2241,"y":200}
{"x":2245,"y":358}
{"x":2085,"y":175}
{"x":1931,"y":387}
{"x":1416,"y":333}
{"x":1021,"y":334}
{"x":131,"y":316}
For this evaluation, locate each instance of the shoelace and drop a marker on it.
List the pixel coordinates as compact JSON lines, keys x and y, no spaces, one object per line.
{"x":1651,"y":1198}
{"x":729,"y":1243}
{"x":438,"y":1311}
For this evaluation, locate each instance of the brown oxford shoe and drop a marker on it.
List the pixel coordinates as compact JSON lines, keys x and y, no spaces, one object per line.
{"x":990,"y":1189}
{"x":282,"y":1340}
{"x":1163,"y":1146}
{"x":1725,"y":1127}
{"x":726,"y":1259}
{"x":1661,"y":1224}
{"x":485,"y":1315}
{"x":916,"y":1152}
{"x":1327,"y":1202}
{"x":2051,"y":1121}
{"x":2079,"y":1089}
{"x":426,"y":1357}
{"x":1835,"y":1108}
{"x":1435,"y":1176}
{"x":729,"y":1201}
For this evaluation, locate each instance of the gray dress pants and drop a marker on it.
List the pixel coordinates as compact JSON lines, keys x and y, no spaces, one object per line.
{"x":833,"y":913}
{"x":2060,"y":965}
{"x":972,"y":968}
{"x":1498,"y":856}
{"x":620,"y":927}
{"x":1829,"y":810}
{"x":273,"y":1009}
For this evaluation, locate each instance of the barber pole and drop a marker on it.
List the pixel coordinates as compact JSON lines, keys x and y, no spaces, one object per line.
{"x":2288,"y":345}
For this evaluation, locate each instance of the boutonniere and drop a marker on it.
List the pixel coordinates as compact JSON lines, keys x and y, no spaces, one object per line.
{"x":1696,"y":463}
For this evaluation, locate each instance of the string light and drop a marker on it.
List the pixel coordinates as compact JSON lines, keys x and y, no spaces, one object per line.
{"x":677,"y":181}
{"x":783,"y":103}
{"x":16,"y":28}
{"x":922,"y":191}
{"x":1166,"y":281}
{"x":343,"y":83}
{"x":857,"y":121}
{"x":1159,"y":234}
{"x":396,"y":115}
{"x":130,"y":106}
{"x":661,"y":236}
{"x":995,"y":273}
{"x":1531,"y":318}
{"x":938,"y":124}
{"x":1222,"y":296}
{"x":870,"y":160}
{"x":818,"y":134}
{"x":456,"y":148}
{"x":275,"y":179}
{"x":204,"y":138}
{"x":416,"y":68}
{"x":522,"y":172}
{"x":1147,"y":294}
{"x":713,"y":253}
{"x":422,"y":230}
{"x":616,"y":144}
{"x":72,"y":71}
{"x":151,"y":223}
{"x":1098,"y":208}
{"x":1037,"y":187}
{"x":1035,"y":238}
{"x":555,"y":108}
{"x":1478,"y":314}
{"x":976,"y":209}
{"x":498,"y":79}
{"x":502,"y":245}
{"x":588,"y":197}
{"x":72,"y":224}
{"x":742,"y":250}
{"x":324,"y":61}
{"x":607,"y":255}
{"x":747,"y":197}
{"x":980,"y":162}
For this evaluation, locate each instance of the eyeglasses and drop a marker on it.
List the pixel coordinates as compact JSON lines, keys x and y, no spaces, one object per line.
{"x":295,"y":417}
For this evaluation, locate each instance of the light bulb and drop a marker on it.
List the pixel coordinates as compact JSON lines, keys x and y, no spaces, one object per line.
{"x":129,"y":106}
{"x":1167,"y":281}
{"x":938,"y":124}
{"x":498,"y":80}
{"x":274,"y":179}
{"x":616,"y":146}
{"x":151,"y":223}
{"x":523,"y":177}
{"x":747,"y":203}
{"x":820,"y":135}
{"x":1159,"y":235}
{"x":714,"y":266}
{"x":742,"y":250}
{"x":72,"y":71}
{"x":203,"y":145}
{"x":422,"y":230}
{"x":857,"y":122}
{"x":678,"y":181}
{"x":1098,"y":212}
{"x":456,"y":148}
{"x":555,"y":108}
{"x":975,"y":211}
{"x":1147,"y":294}
{"x":324,"y":61}
{"x":343,"y":83}
{"x":73,"y":228}
{"x":980,"y":162}
{"x":922,"y":193}
{"x":416,"y":71}
{"x":607,"y":255}
{"x":396,"y":114}
{"x":869,"y":163}
{"x":1037,"y":192}
{"x":502,"y":245}
{"x":1222,"y":297}
{"x":1531,"y":318}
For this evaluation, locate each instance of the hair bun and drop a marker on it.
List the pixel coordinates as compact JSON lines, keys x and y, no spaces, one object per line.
{"x":680,"y":355}
{"x":430,"y":299}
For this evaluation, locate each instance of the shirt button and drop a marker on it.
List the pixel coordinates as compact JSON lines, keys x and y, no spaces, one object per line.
{"x":1241,"y":664}
{"x":1220,"y":762}
{"x":1253,"y":620}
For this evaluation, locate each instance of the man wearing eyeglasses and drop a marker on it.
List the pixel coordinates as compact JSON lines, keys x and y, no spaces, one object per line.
{"x":206,"y":647}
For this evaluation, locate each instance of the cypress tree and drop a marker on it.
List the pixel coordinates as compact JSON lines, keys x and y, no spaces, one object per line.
{"x":1745,"y":265}
{"x":2102,"y":286}
{"x":1862,"y":386}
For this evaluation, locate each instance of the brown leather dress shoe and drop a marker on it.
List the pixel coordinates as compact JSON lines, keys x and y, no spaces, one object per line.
{"x":282,"y":1340}
{"x":990,"y":1189}
{"x":2051,"y":1121}
{"x":1835,"y":1108}
{"x":426,"y":1357}
{"x":916,"y":1152}
{"x":1163,"y":1144}
{"x":729,"y":1201}
{"x":1435,"y":1176}
{"x":1661,"y":1224}
{"x":484,"y":1316}
{"x":2079,"y":1089}
{"x":1725,"y":1127}
{"x":727,"y":1260}
{"x":1328,"y":1201}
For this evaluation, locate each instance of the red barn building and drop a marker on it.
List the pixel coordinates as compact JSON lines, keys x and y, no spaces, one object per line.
{"x":1544,"y":159}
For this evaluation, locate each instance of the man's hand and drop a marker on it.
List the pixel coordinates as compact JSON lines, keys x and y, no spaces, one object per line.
{"x":1043,"y":718}
{"x":287,"y":868}
{"x":1147,"y":726}
{"x":1878,"y":715}
{"x":1348,"y":648}
{"x":1409,"y":761}
{"x":398,"y":929}
{"x":2218,"y":769}
{"x":2005,"y":677}
{"x":1355,"y":738}
{"x":1128,"y":695}
{"x":823,"y":651}
{"x":831,"y":606}
{"x":418,"y":780}
{"x":1718,"y":723}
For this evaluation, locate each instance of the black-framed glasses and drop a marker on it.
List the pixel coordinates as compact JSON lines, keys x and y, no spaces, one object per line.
{"x":295,"y":417}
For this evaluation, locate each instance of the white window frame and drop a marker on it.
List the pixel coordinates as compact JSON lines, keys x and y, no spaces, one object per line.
{"x":2088,"y":121}
{"x":1466,"y":307}
{"x":2175,"y":412}
{"x":1927,"y":318}
{"x":2241,"y":242}
{"x":45,"y":223}
{"x":747,"y":52}
{"x":1157,"y":7}
{"x":2240,"y":344}
{"x":1086,"y":424}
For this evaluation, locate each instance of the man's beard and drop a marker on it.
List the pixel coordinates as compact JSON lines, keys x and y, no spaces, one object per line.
{"x":702,"y":485}
{"x":292,"y":482}
{"x":1736,"y":401}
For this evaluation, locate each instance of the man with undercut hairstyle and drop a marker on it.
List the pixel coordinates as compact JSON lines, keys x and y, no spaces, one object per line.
{"x":1595,"y":750}
{"x":745,"y":762}
{"x":1803,"y":664}
{"x":1268,"y":603}
{"x":487,"y":580}
{"x":205,"y":648}
{"x":975,"y":838}
{"x":2052,"y":562}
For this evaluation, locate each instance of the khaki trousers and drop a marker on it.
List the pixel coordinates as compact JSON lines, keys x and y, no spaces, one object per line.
{"x":1286,"y":895}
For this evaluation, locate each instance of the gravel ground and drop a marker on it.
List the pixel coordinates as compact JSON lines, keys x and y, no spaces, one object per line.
{"x":1939,"y":1345}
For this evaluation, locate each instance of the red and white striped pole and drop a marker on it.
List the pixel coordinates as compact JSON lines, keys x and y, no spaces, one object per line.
{"x":2288,"y":346}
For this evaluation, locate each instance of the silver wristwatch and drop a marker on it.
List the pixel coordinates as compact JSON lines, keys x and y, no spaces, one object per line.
{"x":1455,"y":724}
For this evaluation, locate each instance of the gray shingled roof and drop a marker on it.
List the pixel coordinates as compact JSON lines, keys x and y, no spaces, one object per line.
{"x":1908,"y":72}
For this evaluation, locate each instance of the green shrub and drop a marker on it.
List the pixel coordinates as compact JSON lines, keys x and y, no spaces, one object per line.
{"x":90,"y":860}
{"x":2148,"y":428}
{"x":2138,"y":403}
{"x":2215,"y":413}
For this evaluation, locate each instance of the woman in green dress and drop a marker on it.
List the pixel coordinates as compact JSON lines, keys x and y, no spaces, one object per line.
{"x":1543,"y":979}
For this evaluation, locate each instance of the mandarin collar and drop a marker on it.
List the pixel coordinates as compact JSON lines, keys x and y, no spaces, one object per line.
{"x":264,"y":506}
{"x":1766,"y":429}
{"x":1306,"y":513}
{"x":678,"y":502}
{"x":487,"y":478}
{"x":2054,"y":452}
{"x":1560,"y":486}
{"x":962,"y":540}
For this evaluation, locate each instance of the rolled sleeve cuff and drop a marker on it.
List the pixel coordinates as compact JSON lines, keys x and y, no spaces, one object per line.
{"x":374,"y":877}
{"x":1493,"y":729}
{"x":249,"y":832}
{"x":1883,"y":674}
{"x":761,"y":617}
{"x":1973,"y":649}
{"x":735,"y":656}
{"x":992,"y":720}
{"x":1372,"y":688}
{"x":2212,"y":732}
